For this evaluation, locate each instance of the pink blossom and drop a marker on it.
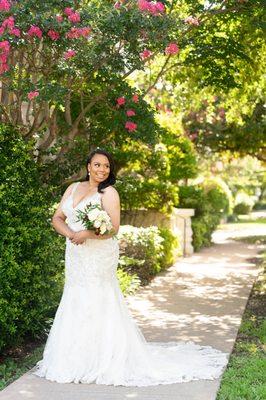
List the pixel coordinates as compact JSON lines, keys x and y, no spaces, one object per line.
{"x":153,"y":7}
{"x":117,"y":5}
{"x":3,"y":68}
{"x":53,"y":34}
{"x":120,"y":101}
{"x":145,"y":54}
{"x":69,"y":54}
{"x":68,"y":11}
{"x":59,"y":18}
{"x":35,"y":31}
{"x":143,"y":5}
{"x":135,"y":98}
{"x":130,"y":126}
{"x":172,"y":48}
{"x":160,"y":6}
{"x":74,"y":17}
{"x":4,"y":50}
{"x":3,"y":58}
{"x":5,"y":5}
{"x":15,"y":32}
{"x":85,"y":31}
{"x":192,"y":21}
{"x":4,"y":47}
{"x":130,"y":113}
{"x":32,"y":95}
{"x":8,"y":22}
{"x":75,"y":33}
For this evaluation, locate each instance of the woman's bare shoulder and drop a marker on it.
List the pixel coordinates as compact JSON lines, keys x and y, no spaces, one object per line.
{"x":68,"y":190}
{"x":110,"y":191}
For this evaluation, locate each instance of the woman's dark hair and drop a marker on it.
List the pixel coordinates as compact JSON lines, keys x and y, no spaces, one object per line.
{"x":111,"y":177}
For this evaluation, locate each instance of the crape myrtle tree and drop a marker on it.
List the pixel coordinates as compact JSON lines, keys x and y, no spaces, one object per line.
{"x":65,"y":67}
{"x":63,"y":70}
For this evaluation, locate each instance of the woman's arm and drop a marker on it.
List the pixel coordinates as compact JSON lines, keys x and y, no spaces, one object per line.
{"x":111,"y":204}
{"x":58,"y":219}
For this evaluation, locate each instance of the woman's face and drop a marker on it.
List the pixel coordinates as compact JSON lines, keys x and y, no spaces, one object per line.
{"x":99,"y":168}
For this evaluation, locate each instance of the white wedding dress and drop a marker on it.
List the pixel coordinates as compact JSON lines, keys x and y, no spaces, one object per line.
{"x":94,"y":338}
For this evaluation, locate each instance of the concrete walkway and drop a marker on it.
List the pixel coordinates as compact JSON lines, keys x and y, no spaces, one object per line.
{"x":200,"y":298}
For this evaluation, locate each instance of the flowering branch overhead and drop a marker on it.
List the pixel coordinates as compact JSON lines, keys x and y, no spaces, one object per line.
{"x":49,"y":59}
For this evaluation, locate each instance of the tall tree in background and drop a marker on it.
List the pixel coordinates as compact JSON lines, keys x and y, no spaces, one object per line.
{"x":65,"y":69}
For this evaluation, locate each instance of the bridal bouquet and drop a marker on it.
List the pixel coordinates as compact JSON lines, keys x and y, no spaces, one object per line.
{"x":96,"y":219}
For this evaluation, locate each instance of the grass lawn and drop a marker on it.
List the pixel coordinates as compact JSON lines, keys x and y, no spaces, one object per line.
{"x":245,"y":376}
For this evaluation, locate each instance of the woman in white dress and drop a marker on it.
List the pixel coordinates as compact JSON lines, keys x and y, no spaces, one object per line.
{"x":94,"y":338}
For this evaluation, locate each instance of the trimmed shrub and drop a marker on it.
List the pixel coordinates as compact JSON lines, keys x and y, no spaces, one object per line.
{"x":210,"y":204}
{"x":259,"y":206}
{"x":242,"y":209}
{"x":243,"y":203}
{"x":31,"y":254}
{"x":145,"y":251}
{"x":203,"y":228}
{"x":170,"y":248}
{"x":143,"y":244}
{"x":219,"y":194}
{"x":137,"y":192}
{"x":128,"y":283}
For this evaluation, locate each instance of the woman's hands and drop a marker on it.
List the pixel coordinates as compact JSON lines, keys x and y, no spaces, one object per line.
{"x":80,"y":236}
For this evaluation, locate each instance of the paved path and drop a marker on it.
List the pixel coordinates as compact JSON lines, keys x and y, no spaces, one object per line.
{"x":200,"y":298}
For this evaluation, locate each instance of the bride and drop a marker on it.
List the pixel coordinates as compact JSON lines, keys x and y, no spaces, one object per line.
{"x":94,"y":338}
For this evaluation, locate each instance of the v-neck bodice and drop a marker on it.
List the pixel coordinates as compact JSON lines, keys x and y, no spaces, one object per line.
{"x":83,"y":199}
{"x":71,"y":212}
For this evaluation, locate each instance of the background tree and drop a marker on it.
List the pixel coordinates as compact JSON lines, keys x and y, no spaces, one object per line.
{"x":64,"y":69}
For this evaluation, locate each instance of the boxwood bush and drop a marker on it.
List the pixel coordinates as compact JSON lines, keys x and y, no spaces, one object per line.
{"x":31,"y":253}
{"x":146,"y":251}
{"x":243,"y":203}
{"x":210,"y":204}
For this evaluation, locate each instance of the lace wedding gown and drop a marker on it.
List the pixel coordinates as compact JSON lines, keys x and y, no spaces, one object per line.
{"x":94,"y":338}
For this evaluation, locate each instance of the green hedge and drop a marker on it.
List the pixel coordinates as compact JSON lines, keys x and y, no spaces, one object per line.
{"x":137,"y":192}
{"x":243,"y":203}
{"x":146,"y":251}
{"x":242,"y":209}
{"x":210,"y":204}
{"x":32,"y":253}
{"x":31,"y":262}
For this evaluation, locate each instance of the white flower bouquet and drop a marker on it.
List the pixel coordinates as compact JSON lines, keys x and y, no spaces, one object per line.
{"x":96,"y":219}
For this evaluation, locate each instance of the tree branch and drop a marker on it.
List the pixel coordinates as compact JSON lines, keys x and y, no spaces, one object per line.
{"x":162,"y":71}
{"x":52,"y":132}
{"x":67,"y":109}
